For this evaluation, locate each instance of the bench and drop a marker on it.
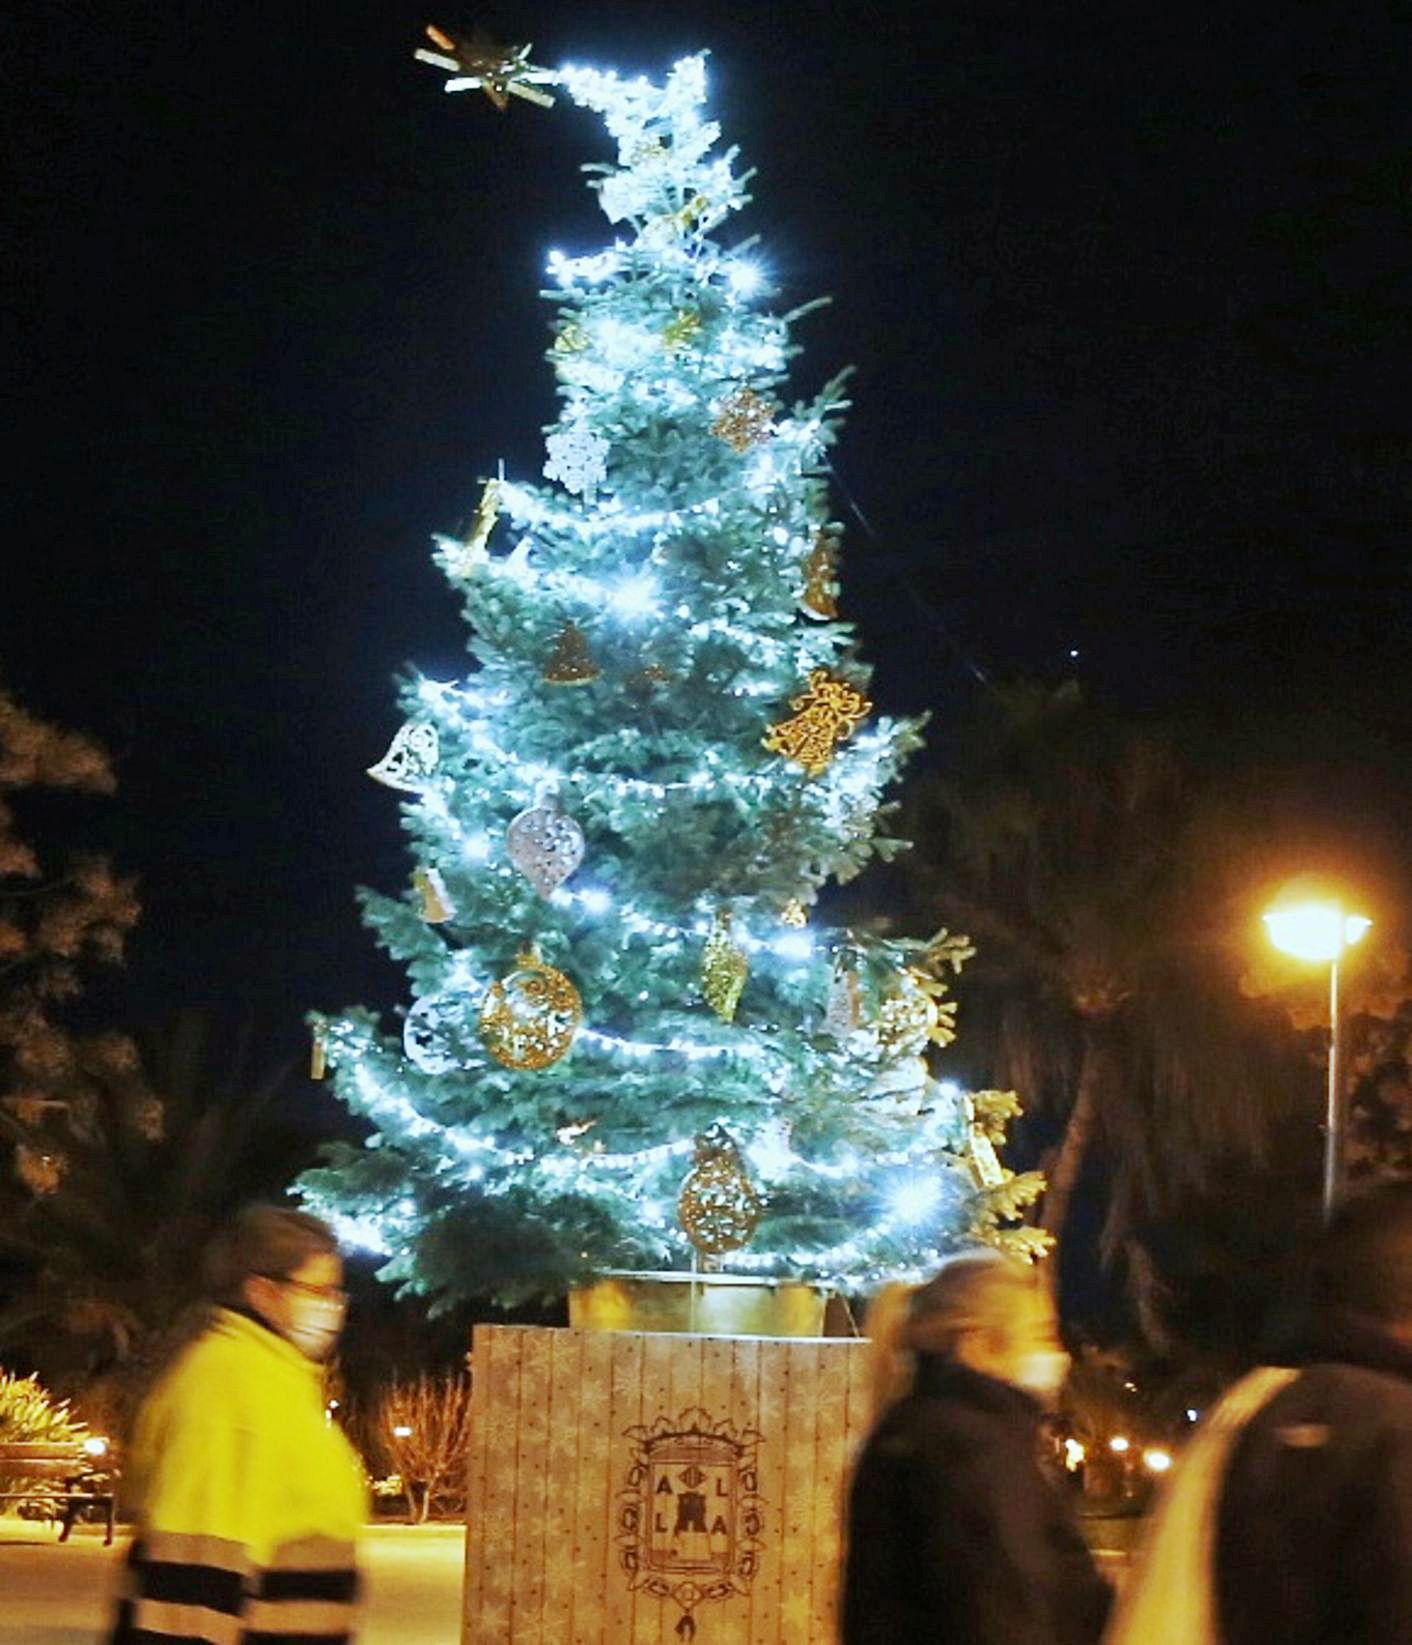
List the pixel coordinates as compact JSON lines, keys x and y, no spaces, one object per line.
{"x":68,"y":1476}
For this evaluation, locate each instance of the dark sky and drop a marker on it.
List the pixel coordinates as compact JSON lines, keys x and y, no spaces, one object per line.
{"x":1127,"y":289}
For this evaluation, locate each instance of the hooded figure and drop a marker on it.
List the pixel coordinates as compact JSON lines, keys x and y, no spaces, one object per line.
{"x":955,"y":1535}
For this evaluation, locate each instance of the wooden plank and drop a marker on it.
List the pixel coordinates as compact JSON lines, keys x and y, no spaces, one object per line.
{"x":475,"y":1478}
{"x":774,"y":1407}
{"x":532,"y":1472}
{"x":626,"y":1411}
{"x":493,"y":1622}
{"x":796,"y":1572}
{"x":746,"y":1359}
{"x":830,"y":1449}
{"x":595,"y":1493}
{"x":565,"y":1418}
{"x":659,"y":1356}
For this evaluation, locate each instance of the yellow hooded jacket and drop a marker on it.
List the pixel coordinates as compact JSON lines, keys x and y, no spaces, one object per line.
{"x":247,"y":1500}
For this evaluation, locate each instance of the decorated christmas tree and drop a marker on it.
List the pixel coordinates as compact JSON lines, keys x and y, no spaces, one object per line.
{"x":632,"y":1042}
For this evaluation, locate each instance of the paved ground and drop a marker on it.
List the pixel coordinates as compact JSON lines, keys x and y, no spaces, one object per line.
{"x":58,"y":1596}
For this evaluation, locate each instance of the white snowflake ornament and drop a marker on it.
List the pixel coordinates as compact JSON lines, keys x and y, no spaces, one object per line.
{"x":577,"y":457}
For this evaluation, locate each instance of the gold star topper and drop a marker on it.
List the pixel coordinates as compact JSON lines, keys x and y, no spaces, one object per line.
{"x":478,"y":63}
{"x":828,"y":713}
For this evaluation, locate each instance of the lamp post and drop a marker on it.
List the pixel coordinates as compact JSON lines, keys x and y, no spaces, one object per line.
{"x":1320,"y":932}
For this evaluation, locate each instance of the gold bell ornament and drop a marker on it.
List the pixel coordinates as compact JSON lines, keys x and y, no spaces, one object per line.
{"x":826,"y":714}
{"x":437,"y":906}
{"x":571,"y":662}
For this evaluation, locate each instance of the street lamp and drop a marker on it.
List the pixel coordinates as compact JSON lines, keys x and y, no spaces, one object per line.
{"x":1320,"y":931}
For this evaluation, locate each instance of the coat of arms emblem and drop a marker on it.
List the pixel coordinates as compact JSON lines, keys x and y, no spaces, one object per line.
{"x":690,"y":1516}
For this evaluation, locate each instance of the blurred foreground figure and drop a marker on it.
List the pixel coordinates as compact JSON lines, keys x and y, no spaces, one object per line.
{"x":955,"y":1536}
{"x":1291,"y":1518}
{"x":247,"y":1500}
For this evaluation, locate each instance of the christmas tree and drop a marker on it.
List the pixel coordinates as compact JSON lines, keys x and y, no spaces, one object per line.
{"x":630,"y":1045}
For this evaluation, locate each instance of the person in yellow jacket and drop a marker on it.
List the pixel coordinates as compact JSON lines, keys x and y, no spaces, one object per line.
{"x":247,"y":1501}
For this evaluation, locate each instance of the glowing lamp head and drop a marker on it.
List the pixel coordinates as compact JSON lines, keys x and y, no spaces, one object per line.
{"x":1315,"y":931}
{"x":1120,"y":1445}
{"x":1156,"y":1460}
{"x":744,"y":278}
{"x":95,"y":1446}
{"x":402,"y":1431}
{"x":634,"y":597}
{"x":1074,"y":1454}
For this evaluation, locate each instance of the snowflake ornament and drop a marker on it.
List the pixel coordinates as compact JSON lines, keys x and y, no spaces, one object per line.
{"x":577,"y":457}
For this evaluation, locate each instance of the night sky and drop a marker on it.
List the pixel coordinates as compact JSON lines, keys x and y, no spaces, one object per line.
{"x":1127,"y":291}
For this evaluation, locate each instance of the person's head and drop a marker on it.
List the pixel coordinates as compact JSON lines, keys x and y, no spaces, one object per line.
{"x":1361,"y":1274}
{"x":983,"y":1310}
{"x":283,"y":1266}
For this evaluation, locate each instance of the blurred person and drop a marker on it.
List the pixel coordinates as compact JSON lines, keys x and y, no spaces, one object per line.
{"x":247,"y":1500}
{"x":955,"y":1535}
{"x":1290,"y":1518}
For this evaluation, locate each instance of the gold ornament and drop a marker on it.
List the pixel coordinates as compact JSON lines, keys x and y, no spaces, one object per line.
{"x":571,"y":662}
{"x":644,"y":681}
{"x":478,"y":63}
{"x":573,"y":339}
{"x":718,"y":1207}
{"x":411,"y":760}
{"x":794,"y":913}
{"x":529,"y":1018}
{"x":437,"y":906}
{"x":724,"y":968}
{"x":819,"y":597}
{"x":683,"y":329}
{"x":42,"y":1174}
{"x":844,"y":1010}
{"x":826,"y":714}
{"x":318,"y":1053}
{"x":744,"y":420}
{"x":909,"y":1017}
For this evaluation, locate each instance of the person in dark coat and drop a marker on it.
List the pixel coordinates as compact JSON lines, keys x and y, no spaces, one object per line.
{"x":1314,"y":1539}
{"x":955,"y":1535}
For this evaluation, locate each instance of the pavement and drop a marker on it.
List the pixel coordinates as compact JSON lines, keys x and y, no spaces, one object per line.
{"x":52,"y":1595}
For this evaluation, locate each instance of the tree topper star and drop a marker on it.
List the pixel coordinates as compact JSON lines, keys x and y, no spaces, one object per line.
{"x":478,"y":63}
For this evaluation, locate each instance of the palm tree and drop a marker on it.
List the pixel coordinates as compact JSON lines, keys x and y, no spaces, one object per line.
{"x":98,"y":1266}
{"x":1089,"y":861}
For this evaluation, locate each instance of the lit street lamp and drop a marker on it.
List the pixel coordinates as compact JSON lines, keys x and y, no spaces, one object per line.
{"x":1320,"y":932}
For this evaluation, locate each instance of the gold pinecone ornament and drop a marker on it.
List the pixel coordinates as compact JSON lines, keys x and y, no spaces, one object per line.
{"x":724,"y":968}
{"x":718,"y":1207}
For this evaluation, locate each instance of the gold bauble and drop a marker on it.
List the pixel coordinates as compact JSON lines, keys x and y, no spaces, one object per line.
{"x":724,"y":968}
{"x":744,"y":420}
{"x":573,"y":339}
{"x":794,"y":913}
{"x":530,"y":1018}
{"x":907,"y":1018}
{"x":718,"y":1207}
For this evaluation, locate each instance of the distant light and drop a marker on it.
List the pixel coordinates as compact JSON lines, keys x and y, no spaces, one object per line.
{"x":916,"y":1200}
{"x":1316,"y":931}
{"x":477,"y":848}
{"x":1074,"y":1453}
{"x":1131,"y":1387}
{"x":333,"y":1405}
{"x":401,"y":1431}
{"x":97,"y":1446}
{"x":1192,"y":1414}
{"x":635,"y":597}
{"x":595,"y":900}
{"x":744,"y":278}
{"x":1074,"y":653}
{"x":1156,"y":1461}
{"x":1119,"y":1444}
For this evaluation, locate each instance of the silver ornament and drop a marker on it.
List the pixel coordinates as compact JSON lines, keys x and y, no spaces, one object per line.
{"x":424,"y":1037}
{"x":545,"y":845}
{"x":412,"y":759}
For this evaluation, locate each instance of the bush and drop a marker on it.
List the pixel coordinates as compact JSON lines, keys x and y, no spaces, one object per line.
{"x":30,"y":1415}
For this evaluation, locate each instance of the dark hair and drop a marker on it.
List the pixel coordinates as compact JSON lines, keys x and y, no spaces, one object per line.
{"x":263,"y":1239}
{"x":1362,"y":1265}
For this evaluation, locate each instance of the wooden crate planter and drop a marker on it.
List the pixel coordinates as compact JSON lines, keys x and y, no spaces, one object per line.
{"x":628,"y":1487}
